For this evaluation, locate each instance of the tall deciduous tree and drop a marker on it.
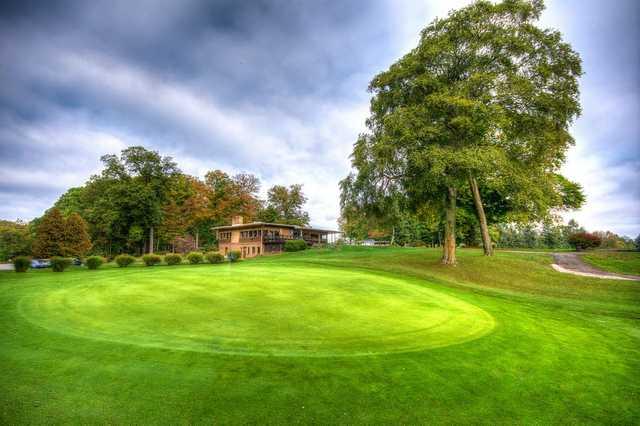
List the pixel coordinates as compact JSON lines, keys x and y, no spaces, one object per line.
{"x":486,"y":96}
{"x":141,"y":181}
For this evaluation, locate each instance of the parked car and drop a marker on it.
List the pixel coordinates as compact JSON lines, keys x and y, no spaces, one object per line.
{"x":40,"y":263}
{"x":76,"y":261}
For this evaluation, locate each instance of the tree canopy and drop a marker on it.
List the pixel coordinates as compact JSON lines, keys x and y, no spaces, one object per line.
{"x":285,"y":205}
{"x":486,"y":97}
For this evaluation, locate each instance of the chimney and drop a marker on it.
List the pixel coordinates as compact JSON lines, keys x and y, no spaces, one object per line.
{"x":236,"y":220}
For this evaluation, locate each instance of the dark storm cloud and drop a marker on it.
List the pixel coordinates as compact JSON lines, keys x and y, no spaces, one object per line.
{"x":218,"y":84}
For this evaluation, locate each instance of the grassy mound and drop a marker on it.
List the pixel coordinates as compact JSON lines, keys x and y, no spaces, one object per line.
{"x":259,"y":310}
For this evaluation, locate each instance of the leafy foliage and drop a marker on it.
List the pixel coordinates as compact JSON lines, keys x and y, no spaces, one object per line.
{"x":234,"y":255}
{"x":284,"y":205}
{"x":94,"y":262}
{"x":21,"y":263}
{"x":57,"y":236}
{"x":295,"y":245}
{"x":195,"y":257}
{"x":173,"y":259}
{"x":77,"y":241}
{"x":124,"y":260}
{"x":151,"y":259}
{"x":214,"y":257}
{"x":51,"y":235}
{"x":232,"y":195}
{"x":15,"y":239}
{"x":59,"y":263}
{"x":584,"y":241}
{"x":549,"y":234}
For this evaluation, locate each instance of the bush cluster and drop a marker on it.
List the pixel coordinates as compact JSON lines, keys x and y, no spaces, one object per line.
{"x":124,"y":260}
{"x":584,"y":241}
{"x":59,"y":264}
{"x":173,"y":259}
{"x":214,"y":257}
{"x":94,"y":262}
{"x":295,"y":245}
{"x":234,"y":255}
{"x":195,"y":257}
{"x":151,"y":259}
{"x":21,"y":263}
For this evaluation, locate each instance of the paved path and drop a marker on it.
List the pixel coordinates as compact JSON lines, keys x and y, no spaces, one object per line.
{"x":571,"y":263}
{"x":6,"y":266}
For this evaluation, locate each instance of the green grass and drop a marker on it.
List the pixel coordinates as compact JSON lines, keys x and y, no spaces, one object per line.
{"x":623,"y":262}
{"x":357,"y":335}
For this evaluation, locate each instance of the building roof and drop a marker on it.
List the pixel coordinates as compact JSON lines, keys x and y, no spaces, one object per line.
{"x":280,"y":225}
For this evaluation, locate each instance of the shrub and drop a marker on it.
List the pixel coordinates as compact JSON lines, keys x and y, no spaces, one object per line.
{"x":195,"y":257}
{"x":173,"y":259}
{"x":234,"y":255}
{"x":124,"y":260}
{"x":21,"y":263}
{"x":584,"y":241}
{"x":295,"y":245}
{"x":94,"y":262}
{"x":151,"y":259}
{"x":214,"y":257}
{"x":59,"y":264}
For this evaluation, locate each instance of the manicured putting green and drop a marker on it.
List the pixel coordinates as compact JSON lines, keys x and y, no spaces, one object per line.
{"x":249,"y":309}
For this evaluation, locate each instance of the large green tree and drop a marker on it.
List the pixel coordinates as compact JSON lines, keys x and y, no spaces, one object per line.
{"x":15,"y":239}
{"x":139,"y":181}
{"x":486,"y":96}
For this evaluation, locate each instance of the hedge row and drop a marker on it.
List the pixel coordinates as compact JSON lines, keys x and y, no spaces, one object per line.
{"x":59,"y":264}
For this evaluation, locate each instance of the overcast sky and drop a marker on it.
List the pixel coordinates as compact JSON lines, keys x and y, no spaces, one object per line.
{"x":274,"y":88}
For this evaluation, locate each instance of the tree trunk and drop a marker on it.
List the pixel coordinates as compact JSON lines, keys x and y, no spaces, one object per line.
{"x":393,"y":235}
{"x":449,"y":246}
{"x":484,"y":229}
{"x":151,"y":240}
{"x":197,"y":235}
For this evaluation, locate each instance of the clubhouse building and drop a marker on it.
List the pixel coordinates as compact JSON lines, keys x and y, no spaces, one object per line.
{"x":260,"y":238}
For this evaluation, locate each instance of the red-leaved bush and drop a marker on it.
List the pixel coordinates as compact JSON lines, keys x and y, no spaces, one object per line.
{"x":584,"y":241}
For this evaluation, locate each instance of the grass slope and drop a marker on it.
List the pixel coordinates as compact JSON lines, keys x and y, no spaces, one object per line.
{"x":126,"y":345}
{"x":622,"y":262}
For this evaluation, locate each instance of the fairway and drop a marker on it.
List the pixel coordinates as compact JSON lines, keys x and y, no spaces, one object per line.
{"x":351,"y":335}
{"x":256,"y":310}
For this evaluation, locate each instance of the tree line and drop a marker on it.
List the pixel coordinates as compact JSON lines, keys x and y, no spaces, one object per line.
{"x":142,"y":202}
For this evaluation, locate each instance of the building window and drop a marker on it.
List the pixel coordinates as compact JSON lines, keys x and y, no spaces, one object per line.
{"x":258,"y":250}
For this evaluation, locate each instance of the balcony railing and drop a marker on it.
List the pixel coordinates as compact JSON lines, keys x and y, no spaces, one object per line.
{"x":278,"y":239}
{"x":249,"y":239}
